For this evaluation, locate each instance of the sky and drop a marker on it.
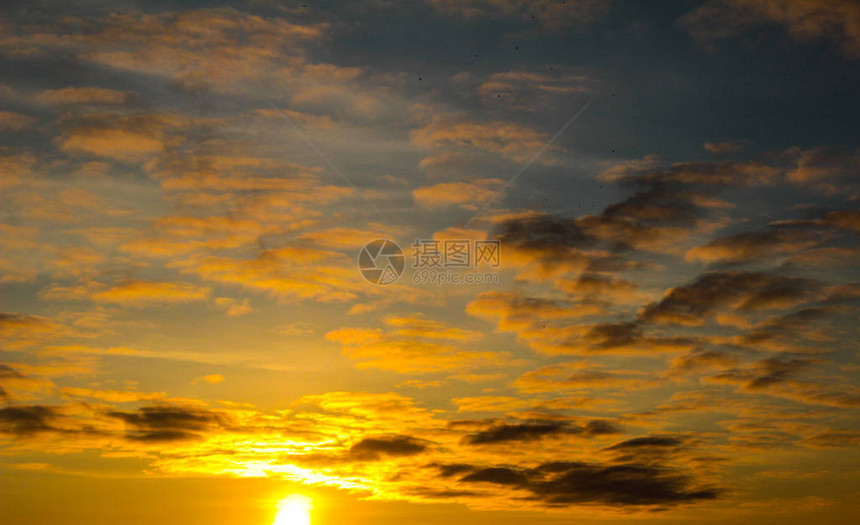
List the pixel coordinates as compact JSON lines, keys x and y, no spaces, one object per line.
{"x":447,"y":261}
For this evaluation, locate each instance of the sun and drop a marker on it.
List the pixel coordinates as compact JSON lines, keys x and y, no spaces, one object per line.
{"x":294,"y":510}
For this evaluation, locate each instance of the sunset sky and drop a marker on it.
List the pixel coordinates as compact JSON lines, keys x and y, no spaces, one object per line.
{"x":188,"y":334}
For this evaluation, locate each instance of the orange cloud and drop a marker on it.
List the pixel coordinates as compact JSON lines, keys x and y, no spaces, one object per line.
{"x":723,"y":148}
{"x":112,"y":396}
{"x":147,"y":293}
{"x":834,"y":20}
{"x":419,"y":326}
{"x":212,"y":379}
{"x":507,"y":139}
{"x":515,"y":312}
{"x":134,"y":139}
{"x":530,"y":90}
{"x":576,"y":376}
{"x":289,"y":272}
{"x":232,"y":307}
{"x":82,"y":95}
{"x":21,"y":330}
{"x":468,"y":195}
{"x":413,"y":349}
{"x":10,"y":121}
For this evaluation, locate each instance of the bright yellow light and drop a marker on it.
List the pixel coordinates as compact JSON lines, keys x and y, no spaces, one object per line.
{"x":294,"y":510}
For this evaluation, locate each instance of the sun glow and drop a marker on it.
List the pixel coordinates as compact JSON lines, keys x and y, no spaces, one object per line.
{"x":294,"y":510}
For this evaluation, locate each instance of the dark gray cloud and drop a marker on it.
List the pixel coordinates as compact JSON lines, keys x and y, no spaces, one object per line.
{"x":498,"y":476}
{"x":521,"y":432}
{"x":791,"y":377}
{"x":505,"y":433}
{"x":794,"y":324}
{"x":575,"y":483}
{"x":692,"y":303}
{"x":443,"y":494}
{"x":642,"y":442}
{"x":766,"y":373}
{"x":650,"y":450}
{"x":845,"y":219}
{"x":170,"y":423}
{"x":775,"y":370}
{"x":701,"y":360}
{"x":374,"y":448}
{"x":619,"y":485}
{"x":27,"y":420}
{"x":7,"y":372}
{"x":447,"y":471}
{"x":651,"y":217}
{"x":746,"y":247}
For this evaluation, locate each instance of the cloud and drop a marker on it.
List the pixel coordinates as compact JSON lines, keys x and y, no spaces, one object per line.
{"x":232,"y":307}
{"x":548,"y":13}
{"x":218,"y":49}
{"x":742,"y":173}
{"x":576,"y":376}
{"x":534,"y":431}
{"x":845,"y":219}
{"x":467,"y":195}
{"x":508,"y":139}
{"x":413,"y":350}
{"x":21,"y":330}
{"x":148,"y":293}
{"x":82,"y":95}
{"x":382,"y":410}
{"x":10,"y":121}
{"x":579,"y":483}
{"x":166,"y":423}
{"x":631,"y":337}
{"x":831,"y":170}
{"x":112,"y":396}
{"x":522,"y":432}
{"x":490,"y":403}
{"x":514,"y":312}
{"x":127,"y":139}
{"x":808,"y":329}
{"x":601,"y":288}
{"x":702,"y":360}
{"x":649,"y":450}
{"x":691,"y":304}
{"x":374,"y":448}
{"x":618,"y":485}
{"x":833,"y":439}
{"x":637,"y":443}
{"x":419,"y":326}
{"x":15,"y":168}
{"x":837,"y":21}
{"x":287,"y":273}
{"x":779,"y":376}
{"x":347,"y":238}
{"x":26,"y":420}
{"x":752,"y":246}
{"x":497,"y":476}
{"x":724,"y":148}
{"x":212,"y":379}
{"x":532,"y":90}
{"x":15,"y":386}
{"x":654,"y":220}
